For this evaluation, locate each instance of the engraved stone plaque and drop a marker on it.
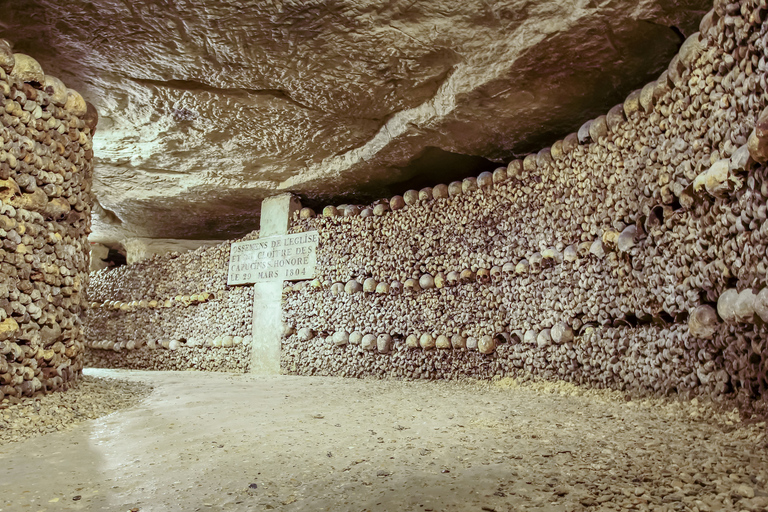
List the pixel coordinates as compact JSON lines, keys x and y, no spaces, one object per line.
{"x":275,"y":258}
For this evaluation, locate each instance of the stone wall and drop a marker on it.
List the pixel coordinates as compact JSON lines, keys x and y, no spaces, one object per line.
{"x":45,"y":216}
{"x":629,"y":255}
{"x":170,"y":312}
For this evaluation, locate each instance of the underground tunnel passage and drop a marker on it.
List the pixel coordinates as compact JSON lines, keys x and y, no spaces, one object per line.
{"x":310,"y":262}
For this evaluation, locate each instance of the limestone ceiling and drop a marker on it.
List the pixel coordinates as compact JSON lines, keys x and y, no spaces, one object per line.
{"x":208,"y":106}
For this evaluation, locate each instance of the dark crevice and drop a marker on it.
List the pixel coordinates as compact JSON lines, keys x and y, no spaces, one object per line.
{"x":115,"y":258}
{"x":679,"y":33}
{"x":444,"y":166}
{"x":435,"y":165}
{"x":431,"y":167}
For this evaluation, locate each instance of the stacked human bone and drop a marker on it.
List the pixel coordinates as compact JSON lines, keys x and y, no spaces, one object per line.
{"x":45,"y":216}
{"x":170,"y":312}
{"x":629,"y":255}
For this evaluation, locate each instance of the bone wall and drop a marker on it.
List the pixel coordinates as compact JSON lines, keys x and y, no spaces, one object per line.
{"x":171,"y":312}
{"x":629,"y":255}
{"x":45,"y":216}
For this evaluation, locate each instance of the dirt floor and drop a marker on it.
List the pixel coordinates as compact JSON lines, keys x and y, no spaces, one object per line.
{"x":223,"y":442}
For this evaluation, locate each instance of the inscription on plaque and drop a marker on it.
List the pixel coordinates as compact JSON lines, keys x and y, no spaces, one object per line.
{"x":275,"y":258}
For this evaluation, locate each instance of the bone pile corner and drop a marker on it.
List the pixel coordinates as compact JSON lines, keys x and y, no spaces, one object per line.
{"x":45,"y":218}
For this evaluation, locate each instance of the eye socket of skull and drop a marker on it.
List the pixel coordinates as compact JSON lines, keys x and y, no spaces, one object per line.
{"x":535,"y":262}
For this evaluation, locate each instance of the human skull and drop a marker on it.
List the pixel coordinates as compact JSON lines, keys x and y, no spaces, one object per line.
{"x":380,"y":209}
{"x":627,"y":238}
{"x":337,"y":288}
{"x":395,"y":288}
{"x":306,"y":334}
{"x":466,"y":276}
{"x":561,"y":333}
{"x":368,"y":342}
{"x":382,"y":288}
{"x":340,"y":338}
{"x":426,"y":281}
{"x":458,"y":341}
{"x":500,"y":175}
{"x":468,"y":185}
{"x":610,"y":237}
{"x":544,"y":339}
{"x":454,"y":189}
{"x":508,"y":270}
{"x":440,"y":280}
{"x":551,"y":257}
{"x":703,"y":322}
{"x":530,"y":336}
{"x":411,"y":197}
{"x":496,"y":274}
{"x":486,"y":344}
{"x":453,"y":278}
{"x":570,"y":254}
{"x":440,"y":191}
{"x":425,"y":194}
{"x":597,"y":248}
{"x":384,"y":343}
{"x":535,"y":262}
{"x":352,"y":210}
{"x":369,"y":285}
{"x":483,"y":276}
{"x":427,"y":341}
{"x":761,"y":304}
{"x":744,"y":307}
{"x":352,"y":287}
{"x":485,"y":181}
{"x":522,"y":267}
{"x":443,"y":342}
{"x":411,"y":286}
{"x":515,"y":169}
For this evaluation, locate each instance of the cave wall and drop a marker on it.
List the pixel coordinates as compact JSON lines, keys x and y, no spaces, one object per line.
{"x":45,"y":218}
{"x":629,"y":255}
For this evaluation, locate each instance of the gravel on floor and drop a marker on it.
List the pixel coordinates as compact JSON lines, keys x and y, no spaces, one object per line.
{"x":89,"y":398}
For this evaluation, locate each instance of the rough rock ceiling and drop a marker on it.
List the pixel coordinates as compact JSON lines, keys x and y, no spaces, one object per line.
{"x":208,"y":106}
